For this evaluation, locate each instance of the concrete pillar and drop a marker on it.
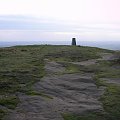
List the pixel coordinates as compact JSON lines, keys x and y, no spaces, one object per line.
{"x":74,"y":41}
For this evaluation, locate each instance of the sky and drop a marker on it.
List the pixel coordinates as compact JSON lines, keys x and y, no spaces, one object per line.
{"x":53,"y":20}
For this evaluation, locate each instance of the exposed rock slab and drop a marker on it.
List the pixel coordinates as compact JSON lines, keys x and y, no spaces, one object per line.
{"x":71,"y":93}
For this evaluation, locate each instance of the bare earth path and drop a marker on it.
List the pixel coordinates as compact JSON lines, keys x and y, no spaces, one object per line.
{"x":70,"y":93}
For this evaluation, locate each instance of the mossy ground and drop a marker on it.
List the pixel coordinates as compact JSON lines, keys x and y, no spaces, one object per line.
{"x":2,"y":113}
{"x":9,"y":102}
{"x":111,"y":105}
{"x":34,"y":93}
{"x":111,"y":97}
{"x":22,"y":66}
{"x":89,"y":116}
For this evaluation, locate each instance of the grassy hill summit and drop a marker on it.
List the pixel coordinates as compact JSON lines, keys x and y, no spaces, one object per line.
{"x":48,"y":82}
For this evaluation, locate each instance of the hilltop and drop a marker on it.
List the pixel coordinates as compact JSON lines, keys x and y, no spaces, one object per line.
{"x":46,"y":82}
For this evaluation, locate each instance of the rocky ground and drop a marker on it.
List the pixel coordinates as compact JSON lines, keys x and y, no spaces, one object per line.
{"x":64,"y":93}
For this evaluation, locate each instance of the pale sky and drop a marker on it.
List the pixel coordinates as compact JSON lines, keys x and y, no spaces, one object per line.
{"x":59,"y":19}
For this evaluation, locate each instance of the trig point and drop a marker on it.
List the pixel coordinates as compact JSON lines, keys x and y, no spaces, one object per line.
{"x":74,"y":41}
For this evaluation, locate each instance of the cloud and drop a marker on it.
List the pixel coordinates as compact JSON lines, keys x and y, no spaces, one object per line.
{"x":82,"y":11}
{"x":32,"y":23}
{"x":31,"y":28}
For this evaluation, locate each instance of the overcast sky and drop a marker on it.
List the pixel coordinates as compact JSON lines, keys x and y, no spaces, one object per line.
{"x":59,"y":19}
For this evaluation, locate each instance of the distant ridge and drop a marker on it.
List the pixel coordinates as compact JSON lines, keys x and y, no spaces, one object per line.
{"x":107,"y":45}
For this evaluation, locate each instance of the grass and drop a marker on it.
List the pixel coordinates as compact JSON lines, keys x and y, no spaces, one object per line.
{"x":34,"y":93}
{"x":22,"y":66}
{"x":110,"y":74}
{"x":73,"y":53}
{"x":71,"y":68}
{"x":89,"y":116}
{"x":2,"y":113}
{"x":74,"y":68}
{"x":9,"y":101}
{"x":108,"y":69}
{"x":110,"y":99}
{"x":98,"y":81}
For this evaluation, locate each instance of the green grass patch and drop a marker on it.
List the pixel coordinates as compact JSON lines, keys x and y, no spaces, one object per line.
{"x":88,"y":116}
{"x":35,"y":93}
{"x":9,"y":101}
{"x":2,"y":113}
{"x":72,"y":53}
{"x":99,"y":82}
{"x":111,"y":73}
{"x":111,"y":101}
{"x":72,"y":68}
